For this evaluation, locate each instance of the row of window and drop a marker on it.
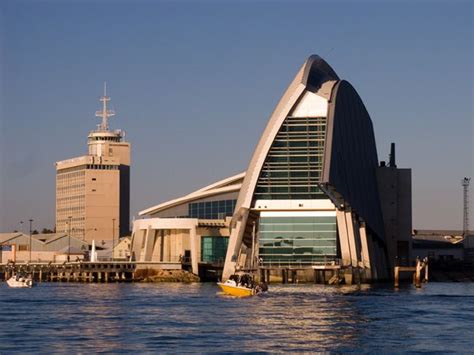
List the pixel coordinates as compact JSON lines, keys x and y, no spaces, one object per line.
{"x":113,"y":139}
{"x":70,"y":208}
{"x":71,"y":175}
{"x":213,"y":248}
{"x":79,"y":168}
{"x":294,"y":162}
{"x":70,"y":198}
{"x":70,"y":187}
{"x":212,"y":209}
{"x":102,"y":167}
{"x":297,"y":240}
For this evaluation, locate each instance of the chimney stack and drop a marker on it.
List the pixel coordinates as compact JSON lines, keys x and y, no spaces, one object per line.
{"x":392,"y":163}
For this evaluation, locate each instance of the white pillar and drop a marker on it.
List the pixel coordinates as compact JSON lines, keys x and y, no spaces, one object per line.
{"x":351,"y":237}
{"x":149,"y":243}
{"x":235,"y":243}
{"x":365,"y":252}
{"x":194,"y":250}
{"x":343,"y":238}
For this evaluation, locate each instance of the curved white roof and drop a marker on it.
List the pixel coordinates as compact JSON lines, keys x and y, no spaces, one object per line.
{"x":230,"y":184}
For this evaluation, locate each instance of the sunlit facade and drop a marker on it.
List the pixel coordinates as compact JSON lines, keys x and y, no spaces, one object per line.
{"x":93,"y":190}
{"x":310,"y":195}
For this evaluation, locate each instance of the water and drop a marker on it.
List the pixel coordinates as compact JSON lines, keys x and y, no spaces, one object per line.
{"x":81,"y":318}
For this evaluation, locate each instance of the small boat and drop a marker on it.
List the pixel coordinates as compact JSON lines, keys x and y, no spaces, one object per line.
{"x":20,"y":281}
{"x":231,"y":288}
{"x":242,"y":286}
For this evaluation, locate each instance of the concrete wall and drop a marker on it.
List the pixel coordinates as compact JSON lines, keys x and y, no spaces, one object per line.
{"x":350,"y":157}
{"x":395,"y":197}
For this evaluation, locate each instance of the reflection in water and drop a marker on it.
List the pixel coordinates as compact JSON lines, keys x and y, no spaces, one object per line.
{"x":194,"y":317}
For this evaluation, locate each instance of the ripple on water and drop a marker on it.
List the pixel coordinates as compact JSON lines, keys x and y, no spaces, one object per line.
{"x":194,"y":317}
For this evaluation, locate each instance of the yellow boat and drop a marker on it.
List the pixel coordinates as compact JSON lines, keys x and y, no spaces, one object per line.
{"x":230,"y":288}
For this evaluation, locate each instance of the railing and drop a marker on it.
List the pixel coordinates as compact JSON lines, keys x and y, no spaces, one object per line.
{"x":285,"y":264}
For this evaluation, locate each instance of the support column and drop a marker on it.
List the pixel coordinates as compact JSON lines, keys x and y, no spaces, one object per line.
{"x":351,"y":237}
{"x":142,"y":241}
{"x":162,"y":244}
{"x":149,"y":243}
{"x":235,"y":243}
{"x":194,"y":250}
{"x":343,"y":238}
{"x":365,"y":253}
{"x":372,"y":256}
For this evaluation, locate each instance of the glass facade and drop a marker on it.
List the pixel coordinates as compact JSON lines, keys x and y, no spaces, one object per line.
{"x":212,"y":209}
{"x":213,"y":249}
{"x":294,"y":162}
{"x":297,"y":240}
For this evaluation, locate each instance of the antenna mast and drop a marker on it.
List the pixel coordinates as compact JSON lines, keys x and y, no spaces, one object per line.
{"x":465,"y":220}
{"x":104,"y":113}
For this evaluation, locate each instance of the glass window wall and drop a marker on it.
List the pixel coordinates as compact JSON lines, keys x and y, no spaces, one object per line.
{"x":294,"y":162}
{"x":212,"y":209}
{"x":297,"y":240}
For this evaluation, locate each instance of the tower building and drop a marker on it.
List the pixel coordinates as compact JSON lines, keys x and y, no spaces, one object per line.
{"x":93,"y":190}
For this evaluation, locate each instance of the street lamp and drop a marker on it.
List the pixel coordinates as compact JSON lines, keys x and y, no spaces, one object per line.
{"x":31,"y":224}
{"x":113,"y":237}
{"x":69,"y":239}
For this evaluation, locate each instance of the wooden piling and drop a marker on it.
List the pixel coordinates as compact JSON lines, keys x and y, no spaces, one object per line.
{"x":418,"y":274}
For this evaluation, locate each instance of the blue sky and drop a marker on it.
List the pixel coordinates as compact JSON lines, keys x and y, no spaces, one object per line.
{"x":194,"y":83}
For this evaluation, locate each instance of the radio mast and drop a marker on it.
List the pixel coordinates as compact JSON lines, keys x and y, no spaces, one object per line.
{"x":465,"y":218}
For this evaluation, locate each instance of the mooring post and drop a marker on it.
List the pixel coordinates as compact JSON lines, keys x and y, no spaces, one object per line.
{"x":396,"y":276}
{"x":418,"y":274}
{"x":426,"y":271}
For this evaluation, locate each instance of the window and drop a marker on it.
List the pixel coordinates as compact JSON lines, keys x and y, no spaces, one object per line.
{"x":297,"y":240}
{"x":294,"y":163}
{"x":212,"y":209}
{"x":23,"y":247}
{"x":213,"y":249}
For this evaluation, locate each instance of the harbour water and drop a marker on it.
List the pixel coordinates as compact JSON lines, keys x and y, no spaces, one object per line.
{"x":68,"y":317}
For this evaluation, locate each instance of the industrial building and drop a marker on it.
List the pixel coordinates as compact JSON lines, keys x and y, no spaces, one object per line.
{"x":313,"y":196}
{"x":93,"y":191}
{"x":54,"y":247}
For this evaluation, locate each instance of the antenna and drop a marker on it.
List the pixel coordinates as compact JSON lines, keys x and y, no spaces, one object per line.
{"x":465,"y":218}
{"x":105,"y":113}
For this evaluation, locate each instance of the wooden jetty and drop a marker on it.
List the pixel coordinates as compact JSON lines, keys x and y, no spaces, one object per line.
{"x":111,"y":271}
{"x":421,"y":266}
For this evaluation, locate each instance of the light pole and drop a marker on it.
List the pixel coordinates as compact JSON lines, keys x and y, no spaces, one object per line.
{"x":113,"y":237}
{"x":31,"y":224}
{"x":69,"y":240}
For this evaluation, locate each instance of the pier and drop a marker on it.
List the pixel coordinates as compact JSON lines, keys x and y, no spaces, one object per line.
{"x":421,"y":266}
{"x":327,"y":272}
{"x":98,"y":272}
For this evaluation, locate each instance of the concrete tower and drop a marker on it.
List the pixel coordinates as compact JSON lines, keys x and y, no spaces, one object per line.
{"x":93,"y":191}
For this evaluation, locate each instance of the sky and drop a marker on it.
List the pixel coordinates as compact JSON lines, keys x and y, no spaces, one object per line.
{"x":194,"y":83}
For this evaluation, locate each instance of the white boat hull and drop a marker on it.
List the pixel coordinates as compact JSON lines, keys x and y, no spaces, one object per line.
{"x":20,"y":283}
